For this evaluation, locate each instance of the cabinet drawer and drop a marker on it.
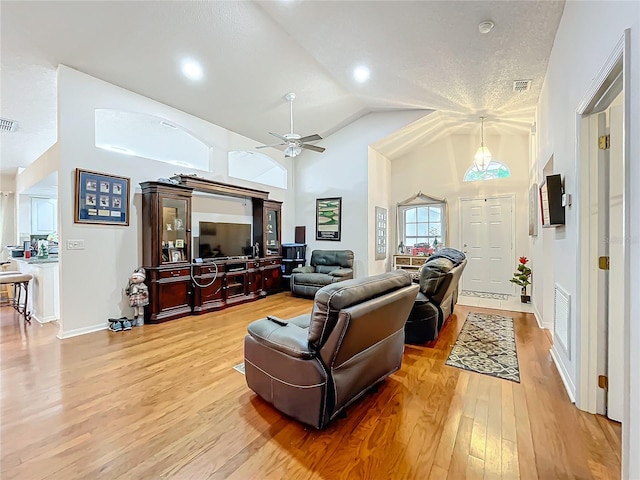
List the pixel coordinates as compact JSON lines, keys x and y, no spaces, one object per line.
{"x":268,"y":262}
{"x":209,"y":270}
{"x":174,"y":273}
{"x":418,"y":261}
{"x":403,"y":261}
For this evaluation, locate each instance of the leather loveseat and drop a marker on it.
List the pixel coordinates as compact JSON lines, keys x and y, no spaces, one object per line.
{"x":326,"y":267}
{"x":313,"y":366}
{"x":439,"y":279}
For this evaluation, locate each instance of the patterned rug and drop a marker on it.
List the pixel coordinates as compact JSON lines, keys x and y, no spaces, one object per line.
{"x":486,"y":344}
{"x":495,"y":296}
{"x":239,"y":368}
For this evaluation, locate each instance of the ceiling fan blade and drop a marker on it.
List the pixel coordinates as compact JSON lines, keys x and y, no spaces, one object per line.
{"x":272,"y":145}
{"x":313,"y":147}
{"x":281,"y":137}
{"x":311,"y":138}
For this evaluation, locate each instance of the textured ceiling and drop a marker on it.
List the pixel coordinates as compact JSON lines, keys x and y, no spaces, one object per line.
{"x":422,"y":55}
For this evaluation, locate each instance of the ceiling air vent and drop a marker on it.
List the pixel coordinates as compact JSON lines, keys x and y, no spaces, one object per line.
{"x":7,"y":125}
{"x":522,"y":85}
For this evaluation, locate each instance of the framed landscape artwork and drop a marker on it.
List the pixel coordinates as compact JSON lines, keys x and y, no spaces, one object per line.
{"x":328,"y":218}
{"x":101,"y":198}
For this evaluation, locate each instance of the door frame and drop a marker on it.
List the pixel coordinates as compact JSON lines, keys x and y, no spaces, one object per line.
{"x":513,"y":198}
{"x":589,"y":349}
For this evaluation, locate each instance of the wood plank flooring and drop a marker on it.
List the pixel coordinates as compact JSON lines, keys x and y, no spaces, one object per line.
{"x":163,"y":402}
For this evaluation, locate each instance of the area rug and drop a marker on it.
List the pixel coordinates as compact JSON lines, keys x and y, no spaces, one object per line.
{"x":486,"y":344}
{"x":239,"y":368}
{"x":495,"y":296}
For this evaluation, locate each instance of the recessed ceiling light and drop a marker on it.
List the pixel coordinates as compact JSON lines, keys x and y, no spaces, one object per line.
{"x":361,"y":74}
{"x":192,"y":70}
{"x":486,"y":26}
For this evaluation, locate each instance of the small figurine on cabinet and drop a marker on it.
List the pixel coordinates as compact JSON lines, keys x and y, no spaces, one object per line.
{"x":138,"y":295}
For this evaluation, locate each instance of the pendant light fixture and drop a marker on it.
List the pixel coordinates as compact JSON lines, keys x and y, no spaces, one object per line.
{"x":482,"y":158}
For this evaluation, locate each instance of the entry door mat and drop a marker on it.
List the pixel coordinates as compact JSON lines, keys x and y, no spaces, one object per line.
{"x":239,"y":368}
{"x":486,"y":344}
{"x":495,"y":296}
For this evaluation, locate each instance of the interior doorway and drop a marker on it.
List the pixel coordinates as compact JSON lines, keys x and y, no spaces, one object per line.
{"x":607,"y":282}
{"x":487,"y":241}
{"x":603,"y":151}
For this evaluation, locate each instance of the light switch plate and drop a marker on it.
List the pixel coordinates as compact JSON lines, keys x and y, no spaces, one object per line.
{"x":75,"y":244}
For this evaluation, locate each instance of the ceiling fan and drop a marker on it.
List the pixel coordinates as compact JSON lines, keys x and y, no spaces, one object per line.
{"x":294,"y":143}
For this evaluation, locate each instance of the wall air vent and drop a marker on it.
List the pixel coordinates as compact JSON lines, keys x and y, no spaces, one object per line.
{"x":7,"y":125}
{"x":521,"y":85}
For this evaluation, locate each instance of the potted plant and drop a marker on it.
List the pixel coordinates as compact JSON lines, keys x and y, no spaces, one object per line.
{"x":521,"y":277}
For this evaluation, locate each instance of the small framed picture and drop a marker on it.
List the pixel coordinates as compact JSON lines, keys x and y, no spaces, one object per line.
{"x":179,"y":243}
{"x":104,"y":187}
{"x":175,"y":255}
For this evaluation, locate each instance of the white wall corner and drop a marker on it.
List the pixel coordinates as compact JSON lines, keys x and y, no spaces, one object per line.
{"x":564,"y":374}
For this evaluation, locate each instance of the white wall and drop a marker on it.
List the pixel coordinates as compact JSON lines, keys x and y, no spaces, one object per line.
{"x":343,"y":171}
{"x":587,"y":35}
{"x":92,"y":280}
{"x":438,"y":169}
{"x":7,"y":213}
{"x":379,"y":194}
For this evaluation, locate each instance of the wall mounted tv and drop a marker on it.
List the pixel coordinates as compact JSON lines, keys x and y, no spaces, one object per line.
{"x":552,"y":210}
{"x":218,"y":239}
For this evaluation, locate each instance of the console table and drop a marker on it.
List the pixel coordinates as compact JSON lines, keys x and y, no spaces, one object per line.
{"x":411,"y":263}
{"x":180,"y":287}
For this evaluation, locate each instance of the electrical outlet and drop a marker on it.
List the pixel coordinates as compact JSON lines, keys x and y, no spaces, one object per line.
{"x":75,"y":244}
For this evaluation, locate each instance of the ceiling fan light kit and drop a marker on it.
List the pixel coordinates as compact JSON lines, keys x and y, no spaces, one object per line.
{"x":293,"y":142}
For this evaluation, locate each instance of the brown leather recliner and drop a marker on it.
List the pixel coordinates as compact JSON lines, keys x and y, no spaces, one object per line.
{"x":439,"y":279}
{"x":326,"y":267}
{"x":313,"y":366}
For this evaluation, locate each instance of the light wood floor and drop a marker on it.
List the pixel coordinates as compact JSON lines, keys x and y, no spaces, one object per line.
{"x":162,"y":401}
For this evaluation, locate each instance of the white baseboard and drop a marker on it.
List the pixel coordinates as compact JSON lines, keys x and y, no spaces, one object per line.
{"x":49,"y":319}
{"x":81,"y":331}
{"x":540,"y":320}
{"x":564,"y":375}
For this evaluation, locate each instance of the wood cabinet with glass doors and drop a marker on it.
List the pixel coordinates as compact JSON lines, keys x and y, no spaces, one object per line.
{"x":176,"y":286}
{"x":166,"y":249}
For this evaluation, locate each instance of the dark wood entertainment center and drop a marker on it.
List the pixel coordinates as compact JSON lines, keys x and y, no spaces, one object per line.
{"x":180,"y":287}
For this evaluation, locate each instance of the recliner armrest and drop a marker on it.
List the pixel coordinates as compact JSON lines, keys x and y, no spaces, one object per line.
{"x":421,"y":299}
{"x":289,"y":339}
{"x":342,"y":272}
{"x":305,"y":269}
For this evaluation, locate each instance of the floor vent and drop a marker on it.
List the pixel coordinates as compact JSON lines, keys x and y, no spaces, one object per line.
{"x":7,"y":125}
{"x":521,"y":85}
{"x":561,"y":306}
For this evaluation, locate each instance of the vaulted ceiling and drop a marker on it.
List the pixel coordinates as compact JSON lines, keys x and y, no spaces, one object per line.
{"x":423,"y":55}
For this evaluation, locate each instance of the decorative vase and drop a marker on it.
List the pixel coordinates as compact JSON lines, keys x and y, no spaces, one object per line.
{"x":524,"y":298}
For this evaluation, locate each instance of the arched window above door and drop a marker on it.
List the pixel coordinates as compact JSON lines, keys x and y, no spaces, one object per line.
{"x":496,"y":169}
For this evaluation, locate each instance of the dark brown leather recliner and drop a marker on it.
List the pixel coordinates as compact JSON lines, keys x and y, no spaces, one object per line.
{"x":439,"y":280}
{"x":326,"y":267}
{"x":313,"y":366}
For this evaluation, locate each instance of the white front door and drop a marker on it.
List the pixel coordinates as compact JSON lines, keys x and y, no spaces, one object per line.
{"x":487,"y":241}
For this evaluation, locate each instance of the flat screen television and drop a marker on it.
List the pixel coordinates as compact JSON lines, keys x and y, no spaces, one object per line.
{"x":218,"y":239}
{"x":552,"y":210}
